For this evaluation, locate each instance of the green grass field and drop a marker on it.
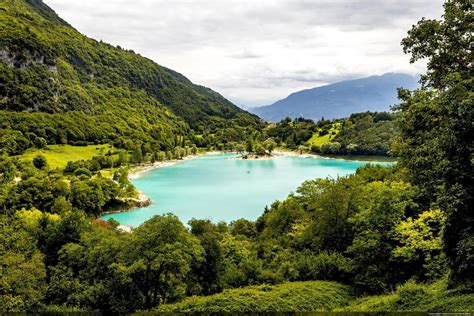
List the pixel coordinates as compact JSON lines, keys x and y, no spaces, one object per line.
{"x":58,"y":156}
{"x":317,"y":140}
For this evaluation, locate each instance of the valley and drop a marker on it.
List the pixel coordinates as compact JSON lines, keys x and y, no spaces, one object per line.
{"x":127,"y":188}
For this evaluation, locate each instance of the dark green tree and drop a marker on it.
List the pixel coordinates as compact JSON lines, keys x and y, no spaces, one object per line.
{"x":40,"y":162}
{"x":158,"y":258}
{"x":436,"y":142}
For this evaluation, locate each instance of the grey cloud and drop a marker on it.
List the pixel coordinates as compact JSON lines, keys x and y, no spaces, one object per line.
{"x":257,"y":49}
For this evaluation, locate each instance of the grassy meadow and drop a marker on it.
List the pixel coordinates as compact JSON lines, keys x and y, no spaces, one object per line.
{"x":319,"y":140}
{"x":58,"y":155}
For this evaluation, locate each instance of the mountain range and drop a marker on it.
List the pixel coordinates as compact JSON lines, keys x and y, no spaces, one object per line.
{"x":340,"y":99}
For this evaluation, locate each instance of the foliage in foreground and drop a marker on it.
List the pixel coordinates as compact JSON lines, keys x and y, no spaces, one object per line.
{"x":287,"y":297}
{"x":435,"y":144}
{"x":327,"y":296}
{"x":416,"y":297}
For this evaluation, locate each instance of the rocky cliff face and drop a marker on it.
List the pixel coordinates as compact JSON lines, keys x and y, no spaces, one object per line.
{"x":24,"y":59}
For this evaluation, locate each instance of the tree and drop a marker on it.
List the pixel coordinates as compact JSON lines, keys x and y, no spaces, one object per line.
{"x":40,"y":143}
{"x":249,"y":146}
{"x":259,"y":149}
{"x":243,"y":227}
{"x":137,"y":155}
{"x":269,"y":145}
{"x":158,"y":258}
{"x":87,"y":196}
{"x":22,"y":272}
{"x":302,"y":149}
{"x":194,"y":149}
{"x":435,"y":142}
{"x":240,"y":149}
{"x":371,"y":250}
{"x":421,"y":245}
{"x":61,"y":205}
{"x":40,"y":162}
{"x":205,"y":277}
{"x":82,"y":172}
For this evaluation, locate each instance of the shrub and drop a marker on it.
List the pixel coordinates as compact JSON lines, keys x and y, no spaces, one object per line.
{"x":82,"y":172}
{"x":40,"y":162}
{"x":323,"y":266}
{"x":287,"y":297}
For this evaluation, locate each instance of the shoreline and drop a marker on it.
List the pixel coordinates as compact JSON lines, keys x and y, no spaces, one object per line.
{"x":360,"y":158}
{"x":137,"y":172}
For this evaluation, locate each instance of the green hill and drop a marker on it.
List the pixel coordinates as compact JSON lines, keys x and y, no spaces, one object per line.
{"x":89,"y":91}
{"x":317,"y":296}
{"x":288,"y":297}
{"x":416,"y":298}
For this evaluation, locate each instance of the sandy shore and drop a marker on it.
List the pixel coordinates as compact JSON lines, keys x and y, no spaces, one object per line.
{"x":282,"y":153}
{"x":296,"y":154}
{"x":138,"y":171}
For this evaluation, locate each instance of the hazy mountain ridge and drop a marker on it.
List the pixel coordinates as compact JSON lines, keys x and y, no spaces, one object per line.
{"x":340,"y":99}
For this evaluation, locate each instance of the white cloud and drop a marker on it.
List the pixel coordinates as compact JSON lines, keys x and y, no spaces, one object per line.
{"x":256,"y":52}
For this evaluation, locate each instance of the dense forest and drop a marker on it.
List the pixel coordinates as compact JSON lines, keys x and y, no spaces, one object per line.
{"x":365,"y":134}
{"x":59,"y":86}
{"x":385,"y":238}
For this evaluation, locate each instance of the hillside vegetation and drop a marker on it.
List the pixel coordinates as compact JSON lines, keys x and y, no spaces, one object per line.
{"x":314,"y":296}
{"x":58,"y":156}
{"x":289,"y":297}
{"x":367,"y":133}
{"x":412,"y":297}
{"x":62,"y":87}
{"x":398,"y":237}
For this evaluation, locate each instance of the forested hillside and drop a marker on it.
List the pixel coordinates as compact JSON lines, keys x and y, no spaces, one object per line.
{"x":60,"y":86}
{"x":367,"y":133}
{"x":396,"y":238}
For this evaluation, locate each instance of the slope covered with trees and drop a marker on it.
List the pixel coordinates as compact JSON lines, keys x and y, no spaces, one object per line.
{"x":61,"y":86}
{"x":385,"y":238}
{"x":367,"y":133}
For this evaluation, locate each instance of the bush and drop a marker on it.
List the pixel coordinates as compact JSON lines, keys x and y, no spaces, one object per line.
{"x":416,"y":297}
{"x":323,"y":266}
{"x":40,"y":162}
{"x":82,"y":172}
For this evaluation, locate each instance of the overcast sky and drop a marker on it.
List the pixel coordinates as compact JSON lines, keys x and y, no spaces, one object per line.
{"x":256,"y":52}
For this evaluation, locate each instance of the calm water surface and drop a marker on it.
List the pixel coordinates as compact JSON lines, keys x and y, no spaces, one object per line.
{"x":218,"y":187}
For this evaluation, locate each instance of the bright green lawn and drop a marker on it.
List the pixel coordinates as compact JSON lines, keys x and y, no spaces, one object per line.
{"x":58,"y":156}
{"x":317,"y":140}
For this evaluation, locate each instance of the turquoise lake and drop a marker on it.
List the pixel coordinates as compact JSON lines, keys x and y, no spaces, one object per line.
{"x":220,"y":188}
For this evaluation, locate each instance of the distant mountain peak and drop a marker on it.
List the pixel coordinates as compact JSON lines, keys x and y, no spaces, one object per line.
{"x":340,"y":99}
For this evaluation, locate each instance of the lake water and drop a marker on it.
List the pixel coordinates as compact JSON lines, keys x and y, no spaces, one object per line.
{"x":217,"y":187}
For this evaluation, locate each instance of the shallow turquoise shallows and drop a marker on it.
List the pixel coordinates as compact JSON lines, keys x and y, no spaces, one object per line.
{"x":220,"y":188}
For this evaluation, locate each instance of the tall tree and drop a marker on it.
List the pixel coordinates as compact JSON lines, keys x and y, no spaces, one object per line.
{"x":158,"y":258}
{"x":436,"y":143}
